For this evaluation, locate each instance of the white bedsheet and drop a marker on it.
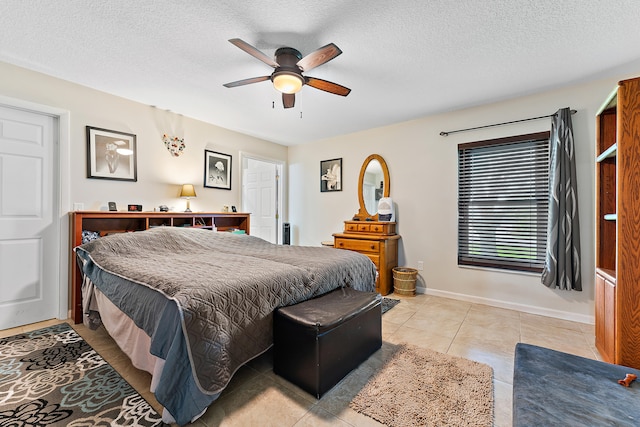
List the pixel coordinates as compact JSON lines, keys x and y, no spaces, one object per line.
{"x":133,"y":342}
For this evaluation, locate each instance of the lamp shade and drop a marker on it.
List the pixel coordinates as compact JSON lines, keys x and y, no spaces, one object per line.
{"x":188,"y":191}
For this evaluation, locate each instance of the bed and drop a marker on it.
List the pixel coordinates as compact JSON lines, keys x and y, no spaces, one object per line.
{"x":191,"y":306}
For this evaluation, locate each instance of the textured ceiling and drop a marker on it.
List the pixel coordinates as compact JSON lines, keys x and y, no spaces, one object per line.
{"x":403,"y":59}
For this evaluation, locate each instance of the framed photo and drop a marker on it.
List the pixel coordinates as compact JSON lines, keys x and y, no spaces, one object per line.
{"x":217,"y":170}
{"x":111,"y":155}
{"x":331,"y":175}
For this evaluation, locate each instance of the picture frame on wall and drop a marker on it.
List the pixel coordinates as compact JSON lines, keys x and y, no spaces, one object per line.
{"x":217,"y":170}
{"x":331,"y":175}
{"x":111,"y":155}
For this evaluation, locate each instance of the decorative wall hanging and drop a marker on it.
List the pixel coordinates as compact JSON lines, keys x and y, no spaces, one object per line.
{"x":331,"y":175}
{"x":217,"y":170}
{"x":174,"y":144}
{"x":111,"y":155}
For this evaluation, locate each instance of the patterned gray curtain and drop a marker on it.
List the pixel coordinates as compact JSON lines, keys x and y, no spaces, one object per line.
{"x":562,"y":262}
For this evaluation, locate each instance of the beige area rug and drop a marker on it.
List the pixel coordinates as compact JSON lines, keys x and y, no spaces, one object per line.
{"x":421,"y":387}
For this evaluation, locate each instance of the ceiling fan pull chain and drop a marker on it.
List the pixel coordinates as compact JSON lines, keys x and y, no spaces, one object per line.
{"x":273,"y":105}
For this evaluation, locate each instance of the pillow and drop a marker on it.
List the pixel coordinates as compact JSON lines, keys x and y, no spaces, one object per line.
{"x":88,"y":236}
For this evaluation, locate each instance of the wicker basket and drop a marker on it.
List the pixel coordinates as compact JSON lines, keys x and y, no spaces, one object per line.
{"x":404,"y":281}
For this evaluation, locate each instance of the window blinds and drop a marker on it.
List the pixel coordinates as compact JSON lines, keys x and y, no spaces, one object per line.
{"x":503,"y":190}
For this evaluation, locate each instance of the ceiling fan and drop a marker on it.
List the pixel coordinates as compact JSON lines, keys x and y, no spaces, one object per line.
{"x":289,"y":66}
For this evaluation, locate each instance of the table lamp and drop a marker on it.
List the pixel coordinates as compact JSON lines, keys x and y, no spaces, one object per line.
{"x":188,"y":192}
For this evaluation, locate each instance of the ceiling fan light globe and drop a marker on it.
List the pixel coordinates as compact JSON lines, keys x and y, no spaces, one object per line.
{"x":287,"y":82}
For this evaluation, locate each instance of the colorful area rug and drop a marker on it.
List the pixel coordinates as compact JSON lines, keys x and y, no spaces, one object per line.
{"x":421,"y":387}
{"x":52,"y":377}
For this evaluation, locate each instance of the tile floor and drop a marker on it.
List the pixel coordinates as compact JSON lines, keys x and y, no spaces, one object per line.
{"x":256,"y":396}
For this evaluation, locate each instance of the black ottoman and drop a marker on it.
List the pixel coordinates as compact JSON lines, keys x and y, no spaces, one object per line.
{"x":319,"y":341}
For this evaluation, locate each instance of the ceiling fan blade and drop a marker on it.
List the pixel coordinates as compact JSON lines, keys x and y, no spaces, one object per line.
{"x":288,"y":100}
{"x":319,"y":57}
{"x":327,"y":86}
{"x":254,"y":52}
{"x":247,"y":81}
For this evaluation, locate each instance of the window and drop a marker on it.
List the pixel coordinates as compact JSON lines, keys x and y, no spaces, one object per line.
{"x":503,"y":190}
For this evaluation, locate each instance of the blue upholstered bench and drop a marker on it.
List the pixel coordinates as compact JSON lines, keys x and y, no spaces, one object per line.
{"x":551,"y":388}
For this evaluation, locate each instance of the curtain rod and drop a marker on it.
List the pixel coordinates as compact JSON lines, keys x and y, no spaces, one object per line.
{"x":501,"y":124}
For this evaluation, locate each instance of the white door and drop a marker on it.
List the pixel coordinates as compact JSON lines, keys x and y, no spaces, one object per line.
{"x":261,"y":197}
{"x":29,"y":246}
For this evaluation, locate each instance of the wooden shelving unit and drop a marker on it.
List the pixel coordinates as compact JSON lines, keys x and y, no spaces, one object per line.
{"x":617,"y":296}
{"x":121,"y":222}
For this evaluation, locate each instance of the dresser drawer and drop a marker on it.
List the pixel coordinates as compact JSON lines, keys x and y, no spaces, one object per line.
{"x":357,"y":227}
{"x":375,"y":259}
{"x":377,"y":228}
{"x":350,"y":227}
{"x":358,"y":245}
{"x":370,"y":227}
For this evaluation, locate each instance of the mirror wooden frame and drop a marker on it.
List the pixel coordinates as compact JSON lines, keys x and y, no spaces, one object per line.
{"x":363,"y":214}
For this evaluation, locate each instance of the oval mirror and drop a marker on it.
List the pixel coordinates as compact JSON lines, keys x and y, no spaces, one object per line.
{"x":373,"y":184}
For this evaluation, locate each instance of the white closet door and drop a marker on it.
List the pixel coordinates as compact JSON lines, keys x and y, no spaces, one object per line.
{"x":29,"y":250}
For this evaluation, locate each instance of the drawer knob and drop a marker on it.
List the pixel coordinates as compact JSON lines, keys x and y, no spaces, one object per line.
{"x":341,"y":244}
{"x":373,"y":246}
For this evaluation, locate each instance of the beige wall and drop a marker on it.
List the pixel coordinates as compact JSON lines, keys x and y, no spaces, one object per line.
{"x":423,"y":172}
{"x":423,"y":169}
{"x":159,"y":174}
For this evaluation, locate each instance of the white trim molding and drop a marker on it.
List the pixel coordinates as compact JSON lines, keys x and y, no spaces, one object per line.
{"x":542,"y":311}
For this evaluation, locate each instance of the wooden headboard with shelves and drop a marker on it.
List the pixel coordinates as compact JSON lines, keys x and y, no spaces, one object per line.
{"x":105,"y":223}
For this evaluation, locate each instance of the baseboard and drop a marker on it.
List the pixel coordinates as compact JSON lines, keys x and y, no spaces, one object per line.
{"x":531,"y":309}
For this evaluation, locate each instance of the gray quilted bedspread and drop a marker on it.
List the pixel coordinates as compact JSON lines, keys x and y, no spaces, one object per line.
{"x":226,"y":286}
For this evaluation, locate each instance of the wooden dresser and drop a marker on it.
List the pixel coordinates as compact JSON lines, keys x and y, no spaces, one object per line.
{"x":377,"y":240}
